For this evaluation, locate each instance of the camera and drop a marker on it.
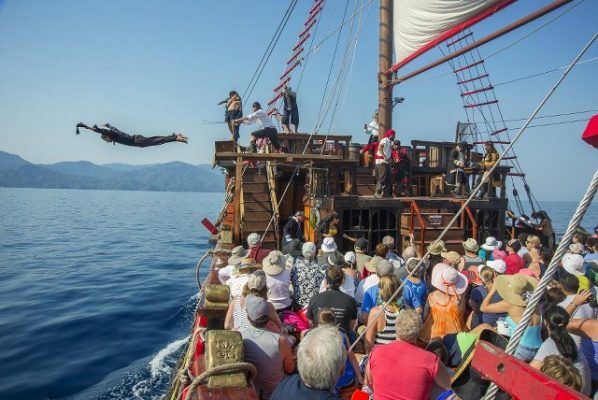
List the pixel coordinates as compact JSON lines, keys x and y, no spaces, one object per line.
{"x":592,"y":301}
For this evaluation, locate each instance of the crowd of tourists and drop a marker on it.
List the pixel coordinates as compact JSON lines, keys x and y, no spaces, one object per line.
{"x":316,"y":298}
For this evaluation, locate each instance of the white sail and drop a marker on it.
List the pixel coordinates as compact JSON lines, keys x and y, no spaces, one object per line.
{"x":418,"y":23}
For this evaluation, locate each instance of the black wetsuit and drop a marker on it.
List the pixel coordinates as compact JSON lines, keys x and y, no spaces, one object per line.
{"x":119,"y":136}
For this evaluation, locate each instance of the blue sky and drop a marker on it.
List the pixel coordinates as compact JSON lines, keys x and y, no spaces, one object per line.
{"x":154,"y":67}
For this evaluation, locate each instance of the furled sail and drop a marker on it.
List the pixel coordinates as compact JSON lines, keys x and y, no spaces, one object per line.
{"x":419,"y":25}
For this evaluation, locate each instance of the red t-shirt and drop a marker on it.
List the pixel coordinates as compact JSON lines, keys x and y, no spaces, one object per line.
{"x":514,"y":263}
{"x":402,"y":371}
{"x":258,"y":254}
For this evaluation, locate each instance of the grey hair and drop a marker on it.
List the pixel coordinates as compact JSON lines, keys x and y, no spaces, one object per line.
{"x":321,"y":357}
{"x":309,"y":250}
{"x":408,"y":324}
{"x":410,"y":251}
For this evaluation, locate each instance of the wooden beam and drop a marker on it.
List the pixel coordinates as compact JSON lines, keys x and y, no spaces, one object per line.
{"x":237,"y":199}
{"x":274,"y":156}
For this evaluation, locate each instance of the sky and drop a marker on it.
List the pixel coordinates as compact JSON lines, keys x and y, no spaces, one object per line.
{"x":155,"y":67}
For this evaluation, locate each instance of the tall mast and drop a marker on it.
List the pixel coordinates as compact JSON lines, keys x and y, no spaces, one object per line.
{"x":385,"y":62}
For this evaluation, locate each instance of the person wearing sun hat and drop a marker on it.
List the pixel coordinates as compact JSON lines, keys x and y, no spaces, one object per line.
{"x":327,"y":248}
{"x":486,"y":276}
{"x":451,"y":258}
{"x":488,"y":247}
{"x":499,"y":266}
{"x":445,"y":315}
{"x":240,"y":276}
{"x":305,"y":276}
{"x":574,"y":264}
{"x":471,"y":256}
{"x":515,"y":291}
{"x":278,"y":280}
{"x":237,"y":254}
{"x":372,"y":279}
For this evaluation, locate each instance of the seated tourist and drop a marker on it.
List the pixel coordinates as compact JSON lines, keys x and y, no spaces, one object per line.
{"x":587,"y":330}
{"x":372,"y":279}
{"x":240,"y":276}
{"x":256,"y":251}
{"x":532,"y":244}
{"x":350,"y":267}
{"x":342,"y":305}
{"x":402,"y":370}
{"x":361,"y":257}
{"x":305,"y":277}
{"x":269,"y":352}
{"x":513,"y":260}
{"x":574,"y":264}
{"x":237,"y":254}
{"x":348,"y":285}
{"x":562,"y":344}
{"x":444,"y":314}
{"x":327,"y":248}
{"x":563,"y":371}
{"x":389,"y":241}
{"x":415,"y":291}
{"x":488,"y":247}
{"x":278,"y":281}
{"x":382,"y":323}
{"x":570,"y":286}
{"x":236,"y":316}
{"x":451,"y":258}
{"x":321,"y":357}
{"x":471,"y":257}
{"x":515,"y":291}
{"x":371,"y":296}
{"x":478,"y":294}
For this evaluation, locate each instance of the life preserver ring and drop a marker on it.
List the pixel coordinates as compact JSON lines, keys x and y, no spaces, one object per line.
{"x":314,"y":217}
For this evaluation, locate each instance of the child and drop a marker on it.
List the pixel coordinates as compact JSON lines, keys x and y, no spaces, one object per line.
{"x":415,"y":290}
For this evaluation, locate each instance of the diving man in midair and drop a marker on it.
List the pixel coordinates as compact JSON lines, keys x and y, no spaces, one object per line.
{"x":111,"y":134}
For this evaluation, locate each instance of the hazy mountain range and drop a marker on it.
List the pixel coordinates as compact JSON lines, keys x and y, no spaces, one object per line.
{"x":173,"y":176}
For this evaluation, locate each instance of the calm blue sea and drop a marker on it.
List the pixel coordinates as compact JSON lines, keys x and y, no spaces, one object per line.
{"x":98,"y":288}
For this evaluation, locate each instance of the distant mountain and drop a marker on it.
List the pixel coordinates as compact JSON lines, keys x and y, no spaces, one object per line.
{"x":173,"y":176}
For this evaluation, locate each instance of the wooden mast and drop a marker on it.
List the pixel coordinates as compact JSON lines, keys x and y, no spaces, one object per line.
{"x":385,"y":63}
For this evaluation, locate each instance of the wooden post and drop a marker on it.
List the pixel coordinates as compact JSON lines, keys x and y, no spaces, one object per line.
{"x":237,"y":200}
{"x":385,"y":62}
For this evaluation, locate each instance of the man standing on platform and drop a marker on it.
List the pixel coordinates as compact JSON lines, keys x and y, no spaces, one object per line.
{"x":382,"y":164}
{"x":293,"y":229}
{"x":490,"y":158}
{"x":268,"y":129}
{"x":457,"y":162}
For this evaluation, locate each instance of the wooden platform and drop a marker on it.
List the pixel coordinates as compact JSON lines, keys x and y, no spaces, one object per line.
{"x":223,"y":156}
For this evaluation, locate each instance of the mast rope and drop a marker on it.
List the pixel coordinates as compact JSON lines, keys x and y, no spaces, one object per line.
{"x":269,"y":49}
{"x":485,"y":178}
{"x":583,"y":206}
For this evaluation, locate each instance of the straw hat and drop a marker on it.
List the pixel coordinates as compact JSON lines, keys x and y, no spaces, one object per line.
{"x":246,"y":263}
{"x":498,"y":265}
{"x":516,"y":289}
{"x":445,"y":276}
{"x":473,"y":275}
{"x":491,"y":243}
{"x":328,"y":245}
{"x":573,"y":264}
{"x":471,"y":245}
{"x":237,"y":254}
{"x":257,"y":280}
{"x":372,"y":265}
{"x":274,"y":263}
{"x":452,"y":257}
{"x":436,"y":247}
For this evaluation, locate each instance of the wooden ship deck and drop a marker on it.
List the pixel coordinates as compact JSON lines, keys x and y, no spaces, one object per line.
{"x":326,"y":175}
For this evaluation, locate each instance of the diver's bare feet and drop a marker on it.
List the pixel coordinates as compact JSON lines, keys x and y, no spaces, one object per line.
{"x":181,"y":138}
{"x":82,"y":125}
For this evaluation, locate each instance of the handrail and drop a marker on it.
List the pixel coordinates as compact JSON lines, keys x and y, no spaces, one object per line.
{"x":422,"y":224}
{"x":474,"y":224}
{"x":273,"y":199}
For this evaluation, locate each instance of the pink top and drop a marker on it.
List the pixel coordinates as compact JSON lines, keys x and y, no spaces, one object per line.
{"x":417,"y":371}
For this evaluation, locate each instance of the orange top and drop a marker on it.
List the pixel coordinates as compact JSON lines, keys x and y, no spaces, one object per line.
{"x":445,"y":317}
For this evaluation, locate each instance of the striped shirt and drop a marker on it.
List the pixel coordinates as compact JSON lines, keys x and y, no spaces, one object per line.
{"x":388,"y":334}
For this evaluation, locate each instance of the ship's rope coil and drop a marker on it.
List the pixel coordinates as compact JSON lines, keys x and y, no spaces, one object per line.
{"x":202,"y":379}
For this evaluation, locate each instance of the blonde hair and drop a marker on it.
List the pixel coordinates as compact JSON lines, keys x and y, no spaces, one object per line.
{"x":486,"y":274}
{"x":388,"y":285}
{"x":563,"y":371}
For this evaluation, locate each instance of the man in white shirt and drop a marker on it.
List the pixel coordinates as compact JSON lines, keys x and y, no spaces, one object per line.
{"x":382,"y":162}
{"x":268,"y":129}
{"x":371,"y":129}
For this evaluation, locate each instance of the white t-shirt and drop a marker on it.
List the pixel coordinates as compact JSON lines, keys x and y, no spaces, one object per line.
{"x":384,"y":149}
{"x":262,"y":119}
{"x":364,"y":285}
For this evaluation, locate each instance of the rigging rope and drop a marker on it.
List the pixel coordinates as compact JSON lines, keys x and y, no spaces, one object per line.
{"x":544,"y":72}
{"x":269,"y":49}
{"x":484,"y":179}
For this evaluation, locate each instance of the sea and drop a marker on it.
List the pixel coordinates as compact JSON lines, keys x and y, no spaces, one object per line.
{"x":98,"y":288}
